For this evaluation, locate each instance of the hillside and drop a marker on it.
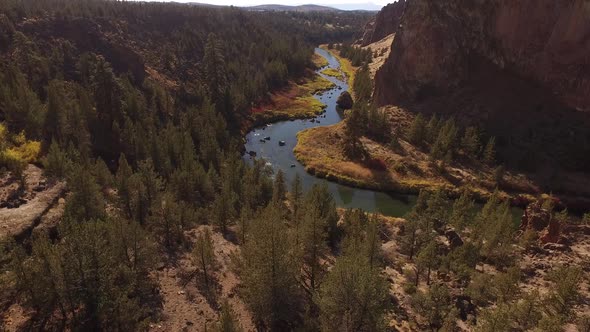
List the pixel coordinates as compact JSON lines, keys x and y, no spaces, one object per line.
{"x":300,"y":8}
{"x":500,"y":60}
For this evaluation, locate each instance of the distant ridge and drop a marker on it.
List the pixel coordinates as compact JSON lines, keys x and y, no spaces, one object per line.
{"x":300,"y":8}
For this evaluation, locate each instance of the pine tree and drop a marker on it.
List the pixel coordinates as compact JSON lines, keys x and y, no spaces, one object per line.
{"x":362,"y":85}
{"x":269,"y":272}
{"x":279,"y":189}
{"x":435,"y":305}
{"x":489,"y":152}
{"x":417,"y":131}
{"x":471,"y":142}
{"x":228,"y":321}
{"x":462,"y":213}
{"x":296,"y":195}
{"x":86,"y":201}
{"x":319,"y":198}
{"x":433,"y":128}
{"x":428,"y":258}
{"x":56,"y":161}
{"x":313,"y":250}
{"x":204,"y":258}
{"x":353,"y":131}
{"x":354,"y":296}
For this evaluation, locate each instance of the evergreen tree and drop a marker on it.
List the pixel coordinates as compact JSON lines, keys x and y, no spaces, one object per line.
{"x":353,"y":131}
{"x":489,"y":152}
{"x":313,"y":251}
{"x":296,"y":196}
{"x":434,"y":305}
{"x":462,"y":213}
{"x":470,"y":142}
{"x":362,"y":85}
{"x":428,"y":258}
{"x":417,"y":131}
{"x":228,"y":321}
{"x":320,"y":200}
{"x":279,"y":189}
{"x":56,"y":161}
{"x":433,"y":128}
{"x":354,"y":296}
{"x":269,"y":272}
{"x":204,"y":258}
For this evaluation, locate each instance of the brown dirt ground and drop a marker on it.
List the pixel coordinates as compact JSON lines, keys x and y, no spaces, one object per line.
{"x":185,"y":306}
{"x":38,"y":197}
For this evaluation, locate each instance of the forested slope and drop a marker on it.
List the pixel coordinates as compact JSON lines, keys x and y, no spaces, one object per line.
{"x":138,"y":107}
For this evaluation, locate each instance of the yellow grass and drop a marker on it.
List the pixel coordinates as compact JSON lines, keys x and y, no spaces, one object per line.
{"x":345,"y":65}
{"x":332,"y":72}
{"x":295,"y":102}
{"x":320,"y":150}
{"x":319,"y":60}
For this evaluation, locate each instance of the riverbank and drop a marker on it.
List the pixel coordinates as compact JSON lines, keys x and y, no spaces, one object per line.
{"x":296,"y":101}
{"x":345,"y":64}
{"x":406,"y":170}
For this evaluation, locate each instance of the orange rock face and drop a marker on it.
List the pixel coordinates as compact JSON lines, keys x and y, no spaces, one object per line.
{"x":543,"y":41}
{"x":385,"y":23}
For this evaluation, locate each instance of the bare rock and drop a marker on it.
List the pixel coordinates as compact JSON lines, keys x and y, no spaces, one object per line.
{"x":345,"y":101}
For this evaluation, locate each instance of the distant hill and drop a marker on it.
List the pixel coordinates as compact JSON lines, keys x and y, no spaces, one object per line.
{"x":367,"y":6}
{"x":301,"y":8}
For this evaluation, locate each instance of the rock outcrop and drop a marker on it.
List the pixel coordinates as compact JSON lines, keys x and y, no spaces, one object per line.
{"x":545,"y":42}
{"x":540,"y":221}
{"x":385,"y":23}
{"x":345,"y":101}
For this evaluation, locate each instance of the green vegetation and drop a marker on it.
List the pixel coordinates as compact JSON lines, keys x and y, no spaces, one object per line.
{"x":295,"y":103}
{"x":332,"y":72}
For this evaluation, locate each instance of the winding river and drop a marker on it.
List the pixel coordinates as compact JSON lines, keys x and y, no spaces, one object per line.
{"x":282,"y":157}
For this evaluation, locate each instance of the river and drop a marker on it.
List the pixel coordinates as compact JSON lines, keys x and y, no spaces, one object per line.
{"x":282,"y":157}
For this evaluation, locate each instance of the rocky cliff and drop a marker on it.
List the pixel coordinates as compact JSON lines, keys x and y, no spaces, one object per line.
{"x":385,"y":23}
{"x":546,"y":42}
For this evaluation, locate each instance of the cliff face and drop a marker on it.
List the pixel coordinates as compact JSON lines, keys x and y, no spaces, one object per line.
{"x":544,"y":42}
{"x":385,"y":23}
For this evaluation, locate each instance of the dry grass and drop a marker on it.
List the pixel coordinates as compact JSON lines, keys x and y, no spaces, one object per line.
{"x":319,"y":61}
{"x":406,"y":170}
{"x":345,"y":64}
{"x":383,"y":48}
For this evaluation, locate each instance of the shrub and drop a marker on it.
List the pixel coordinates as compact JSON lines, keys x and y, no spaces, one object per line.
{"x":377,"y":164}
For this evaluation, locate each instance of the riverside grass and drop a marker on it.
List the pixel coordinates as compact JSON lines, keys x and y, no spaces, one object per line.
{"x":295,"y":102}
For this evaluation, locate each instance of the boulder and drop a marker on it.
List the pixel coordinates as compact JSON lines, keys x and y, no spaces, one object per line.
{"x":345,"y":101}
{"x":540,"y":220}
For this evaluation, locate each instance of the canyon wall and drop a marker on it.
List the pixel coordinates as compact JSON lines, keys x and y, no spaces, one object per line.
{"x":543,"y":42}
{"x":385,"y":23}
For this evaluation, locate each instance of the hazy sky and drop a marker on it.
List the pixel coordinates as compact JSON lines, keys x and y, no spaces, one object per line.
{"x":285,"y":2}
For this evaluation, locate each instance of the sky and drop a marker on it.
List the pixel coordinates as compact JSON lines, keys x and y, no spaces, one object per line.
{"x":359,"y":4}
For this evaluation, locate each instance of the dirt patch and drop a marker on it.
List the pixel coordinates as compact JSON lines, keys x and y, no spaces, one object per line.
{"x":185,"y":306}
{"x":27,"y":206}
